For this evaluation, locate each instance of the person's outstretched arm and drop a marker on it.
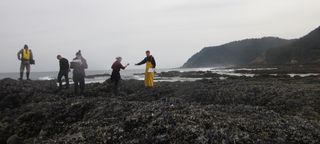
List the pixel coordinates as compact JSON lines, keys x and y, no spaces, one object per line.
{"x":121,"y":66}
{"x":124,"y":67}
{"x":142,"y":62}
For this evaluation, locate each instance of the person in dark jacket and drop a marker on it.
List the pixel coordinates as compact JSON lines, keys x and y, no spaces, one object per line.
{"x":64,"y":71}
{"x":79,"y":64}
{"x":115,"y":76}
{"x":149,"y":72}
{"x":26,"y":57}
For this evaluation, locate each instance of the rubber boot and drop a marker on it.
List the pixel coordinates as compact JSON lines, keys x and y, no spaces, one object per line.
{"x":28,"y":74}
{"x":21,"y":76}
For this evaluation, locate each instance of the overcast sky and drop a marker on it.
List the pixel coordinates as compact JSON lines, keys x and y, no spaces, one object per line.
{"x":172,"y":29}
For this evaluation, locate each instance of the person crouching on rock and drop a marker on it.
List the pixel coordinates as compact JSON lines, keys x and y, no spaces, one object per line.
{"x":26,"y":57}
{"x":149,"y":72}
{"x":64,"y":71}
{"x":79,"y":64}
{"x":115,"y":76}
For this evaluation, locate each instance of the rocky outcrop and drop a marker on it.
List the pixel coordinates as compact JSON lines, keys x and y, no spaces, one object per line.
{"x":243,"y":52}
{"x":235,"y":110}
{"x":303,"y":51}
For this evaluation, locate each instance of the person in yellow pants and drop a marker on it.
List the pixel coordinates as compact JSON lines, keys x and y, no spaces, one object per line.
{"x":149,"y":72}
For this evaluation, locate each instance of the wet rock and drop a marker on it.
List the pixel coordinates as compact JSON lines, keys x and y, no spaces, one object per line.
{"x":235,"y":110}
{"x":14,"y":139}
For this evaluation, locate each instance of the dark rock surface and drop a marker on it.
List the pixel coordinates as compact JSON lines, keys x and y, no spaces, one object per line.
{"x":236,"y":110}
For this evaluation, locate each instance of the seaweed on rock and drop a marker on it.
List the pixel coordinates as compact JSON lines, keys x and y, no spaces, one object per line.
{"x":237,"y":110}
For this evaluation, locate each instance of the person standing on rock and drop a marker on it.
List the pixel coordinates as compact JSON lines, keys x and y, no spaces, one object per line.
{"x":149,"y":72}
{"x":64,"y":71}
{"x":115,"y":76}
{"x":26,"y":57}
{"x":79,"y":64}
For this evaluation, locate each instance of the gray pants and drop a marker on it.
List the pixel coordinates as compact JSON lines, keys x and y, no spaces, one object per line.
{"x":25,"y":64}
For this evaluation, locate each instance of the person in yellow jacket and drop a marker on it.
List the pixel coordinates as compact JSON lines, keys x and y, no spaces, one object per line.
{"x":26,"y":57}
{"x":149,"y":72}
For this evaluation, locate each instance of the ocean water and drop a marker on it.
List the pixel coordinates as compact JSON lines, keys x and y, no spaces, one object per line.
{"x":125,"y":74}
{"x":138,"y":74}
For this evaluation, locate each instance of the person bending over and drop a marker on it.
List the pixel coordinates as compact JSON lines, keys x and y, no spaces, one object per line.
{"x":64,"y":71}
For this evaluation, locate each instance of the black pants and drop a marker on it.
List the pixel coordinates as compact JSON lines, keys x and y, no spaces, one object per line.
{"x":65,"y":74}
{"x":116,"y":87}
{"x":78,"y":82}
{"x":115,"y":79}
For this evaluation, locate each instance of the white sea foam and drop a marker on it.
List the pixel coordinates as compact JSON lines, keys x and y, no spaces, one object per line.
{"x":132,"y":74}
{"x":303,"y":75}
{"x":46,"y":78}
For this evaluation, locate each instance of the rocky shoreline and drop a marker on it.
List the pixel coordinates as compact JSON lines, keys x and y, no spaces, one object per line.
{"x":262,"y":109}
{"x":278,"y":69}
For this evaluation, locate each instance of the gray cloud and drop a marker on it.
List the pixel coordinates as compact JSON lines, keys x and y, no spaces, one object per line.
{"x":172,"y":29}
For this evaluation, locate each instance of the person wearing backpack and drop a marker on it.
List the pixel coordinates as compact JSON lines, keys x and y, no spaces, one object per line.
{"x":115,"y":76}
{"x":25,"y":55}
{"x":79,"y":64}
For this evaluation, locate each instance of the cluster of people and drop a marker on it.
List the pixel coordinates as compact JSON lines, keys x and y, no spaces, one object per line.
{"x":79,"y":64}
{"x":149,"y":71}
